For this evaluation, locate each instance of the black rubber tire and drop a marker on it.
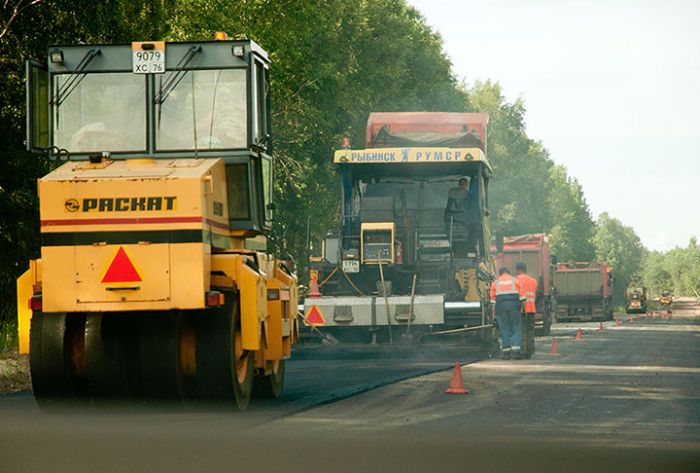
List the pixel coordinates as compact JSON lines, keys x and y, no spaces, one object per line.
{"x":53,"y":337}
{"x":159,"y":356}
{"x":216,"y":378}
{"x":270,"y":386}
{"x":104,"y":361}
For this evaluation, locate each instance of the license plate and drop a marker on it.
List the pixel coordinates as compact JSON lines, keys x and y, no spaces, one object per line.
{"x":351,"y":266}
{"x":148,"y":57}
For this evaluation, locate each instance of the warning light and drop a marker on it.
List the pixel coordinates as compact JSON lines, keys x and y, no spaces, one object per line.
{"x":35,"y":303}
{"x":314,"y":317}
{"x":220,"y":36}
{"x":121,"y":269}
{"x":214,"y":298}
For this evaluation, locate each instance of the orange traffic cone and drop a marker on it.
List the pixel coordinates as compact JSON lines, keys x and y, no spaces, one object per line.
{"x":600,"y":327}
{"x":554,"y":351}
{"x":618,"y":323}
{"x":579,"y":336}
{"x":631,"y":319}
{"x":315,"y":292}
{"x":457,"y":383}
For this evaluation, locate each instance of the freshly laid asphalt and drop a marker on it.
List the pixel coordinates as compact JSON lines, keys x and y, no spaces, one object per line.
{"x":624,"y":399}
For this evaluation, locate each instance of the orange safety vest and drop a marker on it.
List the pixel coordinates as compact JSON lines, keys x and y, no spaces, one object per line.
{"x":507,"y":287}
{"x":530,"y":288}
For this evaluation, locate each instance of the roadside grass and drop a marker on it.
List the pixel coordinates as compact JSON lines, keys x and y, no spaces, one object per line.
{"x":8,"y":336}
{"x":14,"y":369}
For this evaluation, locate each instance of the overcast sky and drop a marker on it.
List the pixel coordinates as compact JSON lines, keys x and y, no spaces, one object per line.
{"x":612,"y":89}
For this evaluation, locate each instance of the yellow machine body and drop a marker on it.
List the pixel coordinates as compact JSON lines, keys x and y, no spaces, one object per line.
{"x":170,"y":220}
{"x":154,"y":279}
{"x":376,"y":228}
{"x":85,"y":208}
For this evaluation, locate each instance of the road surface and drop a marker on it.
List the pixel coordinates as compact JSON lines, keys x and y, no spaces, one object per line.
{"x":625,"y":399}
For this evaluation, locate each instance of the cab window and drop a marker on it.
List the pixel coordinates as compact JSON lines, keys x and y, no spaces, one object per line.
{"x":238,"y":191}
{"x":261,"y":127}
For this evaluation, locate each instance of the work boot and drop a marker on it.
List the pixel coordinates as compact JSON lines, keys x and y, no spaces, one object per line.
{"x":505,"y":355}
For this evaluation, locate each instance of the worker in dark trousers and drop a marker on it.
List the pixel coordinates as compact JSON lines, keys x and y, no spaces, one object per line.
{"x":530,"y":289}
{"x":507,"y":298}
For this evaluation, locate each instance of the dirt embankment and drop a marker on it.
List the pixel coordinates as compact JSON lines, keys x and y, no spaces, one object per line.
{"x":14,"y":372}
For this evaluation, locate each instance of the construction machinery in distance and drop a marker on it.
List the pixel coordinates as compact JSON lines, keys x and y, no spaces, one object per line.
{"x":666,"y":301}
{"x":411,"y":254}
{"x":636,"y":299}
{"x":154,"y":279}
{"x":533,"y":250}
{"x":583,"y":291}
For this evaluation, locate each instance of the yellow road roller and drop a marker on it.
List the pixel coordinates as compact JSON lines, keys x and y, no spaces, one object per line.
{"x":154,"y":280}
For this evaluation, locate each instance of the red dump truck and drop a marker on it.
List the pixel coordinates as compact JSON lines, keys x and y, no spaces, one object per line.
{"x":583,"y":291}
{"x":533,"y":250}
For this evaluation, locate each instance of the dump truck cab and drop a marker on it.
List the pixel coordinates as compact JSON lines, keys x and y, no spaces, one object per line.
{"x":413,"y":227}
{"x":154,"y":224}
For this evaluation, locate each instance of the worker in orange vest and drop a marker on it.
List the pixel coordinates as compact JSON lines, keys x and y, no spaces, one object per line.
{"x":530,"y":288}
{"x":507,"y":298}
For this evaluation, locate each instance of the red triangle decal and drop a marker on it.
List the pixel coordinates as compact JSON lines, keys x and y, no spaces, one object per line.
{"x":121,"y":269}
{"x":315,"y":317}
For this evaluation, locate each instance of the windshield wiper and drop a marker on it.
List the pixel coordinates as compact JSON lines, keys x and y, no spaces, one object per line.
{"x":76,"y":77}
{"x":176,"y":75}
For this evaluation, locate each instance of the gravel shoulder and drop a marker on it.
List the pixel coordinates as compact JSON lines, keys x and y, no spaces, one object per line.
{"x":14,"y":372}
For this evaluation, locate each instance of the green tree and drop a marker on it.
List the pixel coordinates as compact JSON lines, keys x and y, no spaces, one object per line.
{"x":572,"y":227}
{"x":521,"y":186}
{"x":655,"y":273}
{"x":620,"y":247}
{"x":677,"y":269}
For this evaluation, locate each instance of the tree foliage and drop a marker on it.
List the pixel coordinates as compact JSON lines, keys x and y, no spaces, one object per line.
{"x":520,"y":189}
{"x":620,"y":247}
{"x":572,"y":227}
{"x":677,"y":269}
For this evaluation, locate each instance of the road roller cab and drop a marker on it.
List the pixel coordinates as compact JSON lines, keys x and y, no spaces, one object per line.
{"x":154,"y":278}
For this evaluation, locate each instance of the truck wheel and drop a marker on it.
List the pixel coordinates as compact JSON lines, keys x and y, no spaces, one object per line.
{"x":270,"y":386}
{"x":57,"y":357}
{"x":104,"y":362}
{"x":159,"y":357}
{"x":224,"y":371}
